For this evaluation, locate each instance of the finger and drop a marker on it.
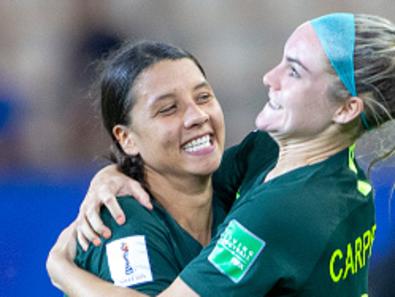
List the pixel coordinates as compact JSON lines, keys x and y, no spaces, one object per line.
{"x":94,"y":220}
{"x":113,"y":207}
{"x":83,"y":209}
{"x":90,"y":198}
{"x":84,"y":243}
{"x":139,"y":193}
{"x":86,"y":230}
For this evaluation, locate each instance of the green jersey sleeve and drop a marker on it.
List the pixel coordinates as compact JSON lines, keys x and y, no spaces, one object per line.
{"x":139,"y":254}
{"x":250,"y":255}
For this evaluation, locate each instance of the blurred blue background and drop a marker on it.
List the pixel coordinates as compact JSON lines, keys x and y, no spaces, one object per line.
{"x":51,"y":139}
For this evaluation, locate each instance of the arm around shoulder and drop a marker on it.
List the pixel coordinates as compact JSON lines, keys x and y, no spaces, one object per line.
{"x":139,"y":254}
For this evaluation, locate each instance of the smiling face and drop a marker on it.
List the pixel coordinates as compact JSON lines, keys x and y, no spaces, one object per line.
{"x":177,"y":123}
{"x":299,"y":104}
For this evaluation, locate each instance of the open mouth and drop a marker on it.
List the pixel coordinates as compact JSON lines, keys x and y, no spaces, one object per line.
{"x":274,"y":105}
{"x":198,"y":144}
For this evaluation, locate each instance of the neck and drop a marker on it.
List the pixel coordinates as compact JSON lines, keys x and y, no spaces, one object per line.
{"x":303,"y":151}
{"x":188,"y":200}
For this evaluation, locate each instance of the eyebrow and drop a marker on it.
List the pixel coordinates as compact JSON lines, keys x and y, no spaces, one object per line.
{"x":202,"y":85}
{"x":171,"y":94}
{"x":296,"y":61}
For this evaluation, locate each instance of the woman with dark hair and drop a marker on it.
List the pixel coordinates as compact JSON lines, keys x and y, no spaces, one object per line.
{"x":305,"y":226}
{"x":168,"y":134}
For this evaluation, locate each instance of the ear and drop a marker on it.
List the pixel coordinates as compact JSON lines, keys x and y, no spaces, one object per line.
{"x":125,"y":138}
{"x":349,"y":110}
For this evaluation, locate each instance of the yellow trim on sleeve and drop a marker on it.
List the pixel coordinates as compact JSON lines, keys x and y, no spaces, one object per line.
{"x":351,"y":157}
{"x":364,"y":187}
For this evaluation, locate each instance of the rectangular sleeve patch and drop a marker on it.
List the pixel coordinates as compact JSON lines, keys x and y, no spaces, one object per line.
{"x":236,"y":251}
{"x":128,"y":261}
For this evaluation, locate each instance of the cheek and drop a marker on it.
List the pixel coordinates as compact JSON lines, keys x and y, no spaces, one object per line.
{"x":307,"y":97}
{"x":164,"y":136}
{"x":217,"y":117}
{"x":158,"y":146}
{"x":153,"y":137}
{"x":300,"y":108}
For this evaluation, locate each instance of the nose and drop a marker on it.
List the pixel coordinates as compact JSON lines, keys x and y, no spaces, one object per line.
{"x":270,"y":79}
{"x":195,"y":116}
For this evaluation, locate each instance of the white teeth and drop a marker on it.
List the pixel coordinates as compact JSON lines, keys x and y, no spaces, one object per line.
{"x":274,"y":105}
{"x":197,"y":144}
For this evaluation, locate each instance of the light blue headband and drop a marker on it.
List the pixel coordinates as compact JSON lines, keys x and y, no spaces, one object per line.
{"x":336,"y":33}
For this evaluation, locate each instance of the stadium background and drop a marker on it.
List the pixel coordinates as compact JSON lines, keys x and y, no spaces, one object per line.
{"x":50,"y":137}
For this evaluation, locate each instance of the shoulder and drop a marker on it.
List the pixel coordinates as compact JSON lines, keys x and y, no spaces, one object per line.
{"x":138,"y":218}
{"x":325,"y":199}
{"x":296,"y":204}
{"x":127,"y":256}
{"x":139,"y":222}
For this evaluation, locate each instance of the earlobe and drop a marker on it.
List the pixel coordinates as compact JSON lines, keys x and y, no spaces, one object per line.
{"x":125,"y":138}
{"x":349,"y":110}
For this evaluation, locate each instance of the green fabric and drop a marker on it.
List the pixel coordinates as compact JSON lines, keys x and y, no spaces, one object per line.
{"x":169,"y":246}
{"x":317,"y":230}
{"x":241,"y":164}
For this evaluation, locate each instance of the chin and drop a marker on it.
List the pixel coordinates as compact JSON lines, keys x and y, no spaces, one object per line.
{"x":262,"y":126}
{"x":261,"y":123}
{"x":207,"y":169}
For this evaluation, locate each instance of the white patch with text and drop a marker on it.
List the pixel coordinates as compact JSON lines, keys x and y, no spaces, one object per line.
{"x":128,"y":261}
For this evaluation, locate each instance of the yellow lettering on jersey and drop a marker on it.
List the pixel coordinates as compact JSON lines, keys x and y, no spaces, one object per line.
{"x":366,"y":244}
{"x":358,"y":254}
{"x":349,"y":260}
{"x":335,"y":276}
{"x":373,"y":234}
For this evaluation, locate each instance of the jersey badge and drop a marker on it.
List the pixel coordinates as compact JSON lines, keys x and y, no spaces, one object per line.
{"x":236,"y":251}
{"x":128,"y":261}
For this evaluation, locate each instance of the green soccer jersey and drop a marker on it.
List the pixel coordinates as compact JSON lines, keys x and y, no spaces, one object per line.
{"x":306,"y":233}
{"x":147,"y":252}
{"x":241,"y":165}
{"x":164,"y":247}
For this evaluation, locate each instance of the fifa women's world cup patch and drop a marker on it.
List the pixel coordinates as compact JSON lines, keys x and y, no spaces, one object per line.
{"x":128,"y":261}
{"x":236,"y":251}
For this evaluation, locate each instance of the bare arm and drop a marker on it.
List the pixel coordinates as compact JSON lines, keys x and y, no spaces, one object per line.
{"x":76,"y":282}
{"x":80,"y":283}
{"x":71,"y":279}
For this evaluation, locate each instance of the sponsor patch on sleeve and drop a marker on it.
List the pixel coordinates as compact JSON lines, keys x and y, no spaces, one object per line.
{"x":236,"y":251}
{"x":128,"y":261}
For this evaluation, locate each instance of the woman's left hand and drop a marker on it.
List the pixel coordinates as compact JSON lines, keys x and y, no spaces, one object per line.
{"x":62,"y":253}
